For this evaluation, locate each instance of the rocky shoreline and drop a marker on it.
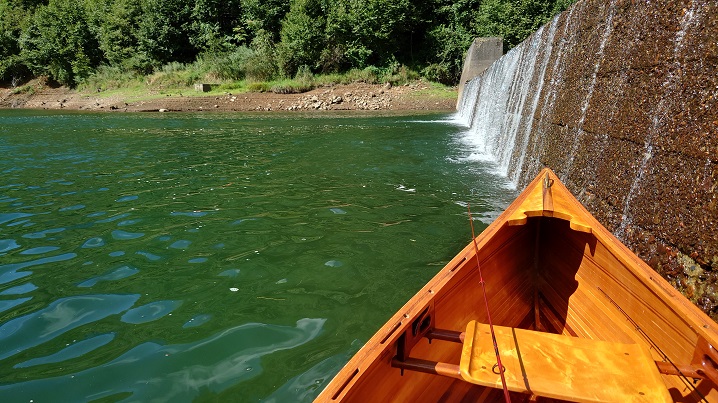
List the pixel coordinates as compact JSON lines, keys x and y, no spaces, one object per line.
{"x":414,"y":96}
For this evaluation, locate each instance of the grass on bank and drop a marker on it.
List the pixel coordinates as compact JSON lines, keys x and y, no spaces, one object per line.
{"x":178,"y":78}
{"x":435,"y":90}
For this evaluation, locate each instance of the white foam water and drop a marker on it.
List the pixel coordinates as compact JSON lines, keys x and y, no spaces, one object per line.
{"x":494,"y":105}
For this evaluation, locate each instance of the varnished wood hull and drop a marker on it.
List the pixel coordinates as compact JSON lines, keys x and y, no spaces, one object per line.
{"x":548,"y":266}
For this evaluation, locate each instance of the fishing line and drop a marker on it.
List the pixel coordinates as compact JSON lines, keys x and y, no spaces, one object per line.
{"x":488,"y":314}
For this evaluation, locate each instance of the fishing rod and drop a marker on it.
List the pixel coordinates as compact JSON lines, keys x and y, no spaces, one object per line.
{"x":488,"y":314}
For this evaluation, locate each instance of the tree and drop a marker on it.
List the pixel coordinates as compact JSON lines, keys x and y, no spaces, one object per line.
{"x":69,"y":39}
{"x":265,"y":16}
{"x":59,"y":44}
{"x":361,"y":33}
{"x":448,"y":37}
{"x":164,"y":31}
{"x":382,"y":29}
{"x":217,"y":25}
{"x":11,"y":22}
{"x":116,"y":25}
{"x":302,"y":38}
{"x":515,"y":20}
{"x":448,"y":44}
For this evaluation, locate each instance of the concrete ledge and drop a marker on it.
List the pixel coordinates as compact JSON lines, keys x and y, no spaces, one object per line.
{"x":482,"y":53}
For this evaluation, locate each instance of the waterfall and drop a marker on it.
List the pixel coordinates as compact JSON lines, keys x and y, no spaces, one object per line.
{"x":465,"y":114}
{"x":548,"y":49}
{"x":538,"y":103}
{"x":620,"y":99}
{"x":495,"y":105}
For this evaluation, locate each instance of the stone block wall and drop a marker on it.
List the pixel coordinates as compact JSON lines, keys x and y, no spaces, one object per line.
{"x":627,"y":116}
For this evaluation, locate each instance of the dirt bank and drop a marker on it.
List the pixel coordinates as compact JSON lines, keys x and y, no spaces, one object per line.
{"x":358,"y":96}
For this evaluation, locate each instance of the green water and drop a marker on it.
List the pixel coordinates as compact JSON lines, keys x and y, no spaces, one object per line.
{"x":190,"y":257}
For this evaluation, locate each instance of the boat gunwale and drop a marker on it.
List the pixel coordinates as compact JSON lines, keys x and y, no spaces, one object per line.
{"x":388,"y":334}
{"x":654,"y":281}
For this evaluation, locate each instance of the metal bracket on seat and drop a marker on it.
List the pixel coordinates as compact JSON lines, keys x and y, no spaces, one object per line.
{"x":424,"y":327}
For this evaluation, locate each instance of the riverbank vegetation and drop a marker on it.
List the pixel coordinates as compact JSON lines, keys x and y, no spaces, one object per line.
{"x":272,"y":45}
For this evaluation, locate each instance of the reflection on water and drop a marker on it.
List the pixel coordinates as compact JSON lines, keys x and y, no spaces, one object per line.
{"x":169,"y":372}
{"x":72,"y":351}
{"x":203,"y":257}
{"x":149,"y":312}
{"x":61,"y":316}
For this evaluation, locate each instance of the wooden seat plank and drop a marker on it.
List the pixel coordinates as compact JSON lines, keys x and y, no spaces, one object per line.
{"x":561,"y":367}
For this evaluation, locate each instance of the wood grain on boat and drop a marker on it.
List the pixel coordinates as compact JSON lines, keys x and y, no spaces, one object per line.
{"x":557,"y":282}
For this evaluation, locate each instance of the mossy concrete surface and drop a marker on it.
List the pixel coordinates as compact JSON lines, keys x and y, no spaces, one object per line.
{"x":630,"y":124}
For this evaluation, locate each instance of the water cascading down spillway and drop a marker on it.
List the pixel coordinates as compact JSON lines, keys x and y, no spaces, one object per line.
{"x":493,"y":104}
{"x":621,"y":101}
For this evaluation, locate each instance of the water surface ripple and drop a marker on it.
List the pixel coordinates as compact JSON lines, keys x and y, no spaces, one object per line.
{"x":217,"y":257}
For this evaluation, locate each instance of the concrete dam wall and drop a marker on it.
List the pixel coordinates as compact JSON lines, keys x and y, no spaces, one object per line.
{"x":620,"y":99}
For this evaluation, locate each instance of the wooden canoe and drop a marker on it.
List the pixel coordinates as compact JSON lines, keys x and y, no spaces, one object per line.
{"x":576,"y":315}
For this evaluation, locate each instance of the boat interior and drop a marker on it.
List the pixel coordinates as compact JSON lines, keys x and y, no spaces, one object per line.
{"x":574,"y":316}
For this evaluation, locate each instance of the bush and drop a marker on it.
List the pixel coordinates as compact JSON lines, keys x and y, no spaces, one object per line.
{"x":177,"y":75}
{"x":302,"y":82}
{"x":261,"y":67}
{"x":13,"y":70}
{"x":25,"y":89}
{"x":304,"y":75}
{"x":109,"y":77}
{"x":262,"y":64}
{"x":438,"y":72}
{"x":259,"y":87}
{"x":230,"y":66}
{"x":402,"y":76}
{"x":173,"y":67}
{"x":290,"y":87}
{"x":449,"y":44}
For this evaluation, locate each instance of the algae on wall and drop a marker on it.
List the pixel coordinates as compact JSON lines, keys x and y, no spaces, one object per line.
{"x":621,"y":101}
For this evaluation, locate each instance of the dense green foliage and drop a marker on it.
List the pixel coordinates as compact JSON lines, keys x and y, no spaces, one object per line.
{"x":70,"y":40}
